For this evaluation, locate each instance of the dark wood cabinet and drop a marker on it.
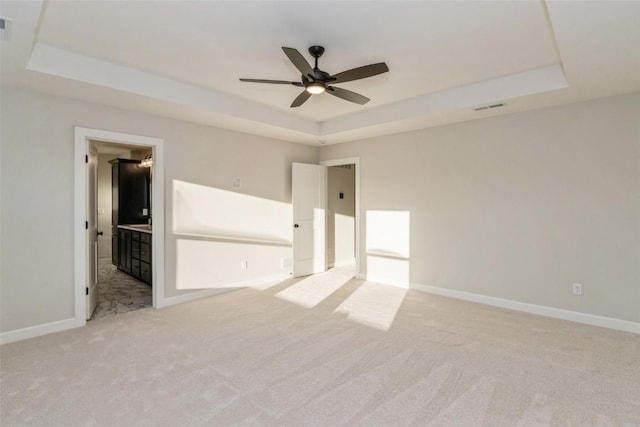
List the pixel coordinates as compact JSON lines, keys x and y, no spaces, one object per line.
{"x":134,"y":254}
{"x":130,"y":193}
{"x":145,"y":272}
{"x":124,"y":250}
{"x":115,"y":250}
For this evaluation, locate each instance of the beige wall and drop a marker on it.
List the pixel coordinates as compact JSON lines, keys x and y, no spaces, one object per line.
{"x":516,"y":207}
{"x":519,"y":206}
{"x":37,"y":190}
{"x":341,"y":215}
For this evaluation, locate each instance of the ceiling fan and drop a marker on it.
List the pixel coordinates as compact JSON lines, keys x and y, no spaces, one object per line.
{"x":316,"y":81}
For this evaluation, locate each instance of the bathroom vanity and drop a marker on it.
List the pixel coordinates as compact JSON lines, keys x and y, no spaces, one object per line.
{"x":134,"y":251}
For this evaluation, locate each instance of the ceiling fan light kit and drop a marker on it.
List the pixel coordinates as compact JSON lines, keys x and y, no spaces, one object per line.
{"x":315,"y":88}
{"x":315,"y":81}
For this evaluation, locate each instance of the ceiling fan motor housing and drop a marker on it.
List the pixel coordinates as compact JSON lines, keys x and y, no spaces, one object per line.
{"x":316,"y":51}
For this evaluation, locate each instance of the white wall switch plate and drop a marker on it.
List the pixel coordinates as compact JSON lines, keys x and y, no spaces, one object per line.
{"x":145,"y":211}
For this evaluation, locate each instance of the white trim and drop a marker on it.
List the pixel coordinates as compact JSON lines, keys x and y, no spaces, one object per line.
{"x":344,"y":262}
{"x":219,"y":105}
{"x":191,"y":296}
{"x":82,"y":136}
{"x":38,"y":330}
{"x":386,"y":281}
{"x":541,"y":310}
{"x":277,"y":123}
{"x":352,"y":161}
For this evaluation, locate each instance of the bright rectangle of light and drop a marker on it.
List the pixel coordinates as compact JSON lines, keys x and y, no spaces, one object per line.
{"x":374,"y":305}
{"x":199,"y":210}
{"x":209,"y":264}
{"x":344,"y":241}
{"x":388,"y":233}
{"x":388,"y":270}
{"x":314,"y":289}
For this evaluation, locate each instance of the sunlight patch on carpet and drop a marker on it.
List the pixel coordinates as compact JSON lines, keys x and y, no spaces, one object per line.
{"x":311,"y":291}
{"x":374,"y":305}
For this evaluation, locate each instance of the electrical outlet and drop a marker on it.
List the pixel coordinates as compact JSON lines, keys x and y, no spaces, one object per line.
{"x":245,"y":264}
{"x":286,"y":263}
{"x":577,"y":289}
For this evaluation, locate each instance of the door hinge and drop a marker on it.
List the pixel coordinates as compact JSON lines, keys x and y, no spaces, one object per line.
{"x":86,"y":158}
{"x":86,"y":225}
{"x":86,"y":291}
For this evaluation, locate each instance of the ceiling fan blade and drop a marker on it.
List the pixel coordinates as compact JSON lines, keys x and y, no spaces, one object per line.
{"x":347,"y":95}
{"x":298,"y":60}
{"x":277,"y":82}
{"x":301,"y":99}
{"x":360,"y":73}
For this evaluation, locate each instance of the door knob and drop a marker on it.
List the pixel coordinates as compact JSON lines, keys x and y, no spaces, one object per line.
{"x":100,"y":233}
{"x":295,"y":226}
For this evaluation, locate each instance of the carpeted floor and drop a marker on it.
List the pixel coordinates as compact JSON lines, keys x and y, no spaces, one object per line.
{"x":324,"y":351}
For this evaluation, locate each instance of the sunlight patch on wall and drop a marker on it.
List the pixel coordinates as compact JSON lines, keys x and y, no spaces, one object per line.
{"x":227,"y":239}
{"x":344,"y":241}
{"x":391,"y":271}
{"x":314,"y":289}
{"x":199,"y":210}
{"x":388,"y":247}
{"x":374,"y":305}
{"x":207,"y":264}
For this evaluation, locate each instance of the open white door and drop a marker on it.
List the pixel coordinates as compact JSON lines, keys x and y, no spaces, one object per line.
{"x":309,"y":201}
{"x":92,"y":234}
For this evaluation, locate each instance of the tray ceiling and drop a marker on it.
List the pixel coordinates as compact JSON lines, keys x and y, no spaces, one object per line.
{"x":183,"y":59}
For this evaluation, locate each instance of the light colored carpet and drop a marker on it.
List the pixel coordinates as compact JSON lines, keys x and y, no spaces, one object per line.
{"x":355,"y":353}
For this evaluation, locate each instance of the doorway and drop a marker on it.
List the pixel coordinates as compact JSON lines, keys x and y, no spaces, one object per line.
{"x":341,"y":213}
{"x":349,"y":218}
{"x":120,"y":289}
{"x":93,"y":240}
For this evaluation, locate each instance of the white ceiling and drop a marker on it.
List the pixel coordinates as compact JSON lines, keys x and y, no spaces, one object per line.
{"x":182,"y":59}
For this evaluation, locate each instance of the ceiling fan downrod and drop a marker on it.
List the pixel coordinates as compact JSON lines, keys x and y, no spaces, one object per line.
{"x":316,"y":52}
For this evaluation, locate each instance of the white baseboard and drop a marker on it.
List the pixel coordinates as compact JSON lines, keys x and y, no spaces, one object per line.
{"x":203,"y":293}
{"x":387,"y":281}
{"x":344,"y":262}
{"x":192,"y":296}
{"x":62,"y":325}
{"x":573,"y":316}
{"x":36,"y":331}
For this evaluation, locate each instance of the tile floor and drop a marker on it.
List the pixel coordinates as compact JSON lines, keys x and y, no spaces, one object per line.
{"x":118,"y":292}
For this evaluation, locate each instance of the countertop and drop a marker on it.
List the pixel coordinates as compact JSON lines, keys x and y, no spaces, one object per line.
{"x":143,"y":228}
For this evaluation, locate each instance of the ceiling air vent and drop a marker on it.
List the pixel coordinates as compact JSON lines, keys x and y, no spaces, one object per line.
{"x":5,"y":29}
{"x":489,"y":107}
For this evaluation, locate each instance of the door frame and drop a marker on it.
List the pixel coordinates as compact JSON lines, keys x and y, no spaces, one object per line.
{"x":360,"y":274}
{"x":81,"y":147}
